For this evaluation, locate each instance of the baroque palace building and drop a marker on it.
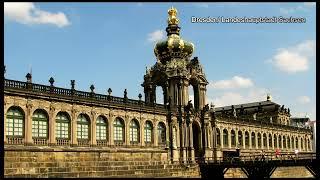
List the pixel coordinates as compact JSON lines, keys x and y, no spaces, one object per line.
{"x":47,"y":116}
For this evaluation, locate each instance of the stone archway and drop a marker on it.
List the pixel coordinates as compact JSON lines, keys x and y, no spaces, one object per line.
{"x":196,"y":139}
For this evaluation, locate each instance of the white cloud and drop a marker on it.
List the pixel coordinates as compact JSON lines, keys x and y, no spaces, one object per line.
{"x":201,"y":5}
{"x":27,"y":13}
{"x":294,"y":59}
{"x":235,"y":82}
{"x":304,"y":7}
{"x":303,"y":99}
{"x":156,"y":35}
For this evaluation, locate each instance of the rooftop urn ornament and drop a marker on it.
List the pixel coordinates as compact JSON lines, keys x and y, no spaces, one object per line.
{"x":51,"y":81}
{"x":109,"y":91}
{"x":140,"y":96}
{"x":234,"y":112}
{"x":269,"y":98}
{"x":92,"y":88}
{"x":72,"y":84}
{"x":29,"y":77}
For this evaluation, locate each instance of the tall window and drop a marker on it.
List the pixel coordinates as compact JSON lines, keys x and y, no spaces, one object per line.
{"x":233,"y":138}
{"x":83,"y":127}
{"x":240,"y":138}
{"x":134,"y":132}
{"x":62,"y":126}
{"x":246,"y":136}
{"x":118,"y":130}
{"x":296,"y":142}
{"x":292,"y":143}
{"x":253,"y":140}
{"x":275,"y":141}
{"x":270,"y":141}
{"x":264,"y":140}
{"x":102,"y":129}
{"x":161,"y":133}
{"x":288,"y":142}
{"x":284,"y":142}
{"x":259,"y":140}
{"x":15,"y":122}
{"x":301,"y":143}
{"x":225,"y":138}
{"x":218,"y":137}
{"x":148,"y":132}
{"x":279,"y":141}
{"x":39,"y":124}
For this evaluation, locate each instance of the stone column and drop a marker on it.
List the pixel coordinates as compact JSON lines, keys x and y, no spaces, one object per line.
{"x":52,"y":126}
{"x":74,"y":140}
{"x":221,"y":139}
{"x":28,"y":125}
{"x":93,"y":129}
{"x":237,"y":137}
{"x":155,"y":135}
{"x":229,"y":139}
{"x":250,"y":140}
{"x":142,"y":133}
{"x":111,"y":138}
{"x":184,"y":149}
{"x":126,"y":130}
{"x":191,"y":142}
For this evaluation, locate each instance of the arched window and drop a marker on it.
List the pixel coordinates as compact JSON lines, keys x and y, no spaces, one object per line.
{"x":240,"y":138}
{"x":83,"y":127}
{"x":264,"y":140}
{"x":284,"y":142}
{"x":161,"y":134}
{"x":218,"y":137}
{"x":246,"y":135}
{"x":296,"y":142}
{"x":279,"y":141}
{"x":134,"y":132}
{"x":15,"y":122}
{"x":306,"y":144}
{"x":233,"y":138}
{"x":275,"y":141}
{"x":253,"y":140}
{"x":62,"y":127}
{"x":259,"y":140}
{"x":270,"y":141}
{"x":39,"y":124}
{"x":225,"y":138}
{"x":101,"y":129}
{"x":118,"y":131}
{"x":148,"y":132}
{"x":309,"y":145}
{"x":292,"y":143}
{"x":301,"y":143}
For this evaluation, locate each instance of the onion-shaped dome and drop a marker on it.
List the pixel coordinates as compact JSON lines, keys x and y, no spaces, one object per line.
{"x":174,"y":46}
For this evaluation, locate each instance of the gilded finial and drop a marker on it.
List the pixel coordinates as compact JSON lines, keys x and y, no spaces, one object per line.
{"x":173,"y":20}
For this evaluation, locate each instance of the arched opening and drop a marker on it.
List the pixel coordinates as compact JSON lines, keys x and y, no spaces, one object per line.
{"x":270,"y":141}
{"x":264,"y":140}
{"x":15,"y":125}
{"x":159,"y":95}
{"x":275,"y":141}
{"x":83,"y":129}
{"x":240,"y":138}
{"x":63,"y":129}
{"x":161,"y":134}
{"x":101,"y":130}
{"x":259,"y":140}
{"x":246,"y":134}
{"x":296,"y":142}
{"x":279,"y":142}
{"x":134,"y":132}
{"x":196,"y":139}
{"x":218,"y":137}
{"x":148,"y":133}
{"x":118,"y":131}
{"x":233,"y":138}
{"x":284,"y":142}
{"x":225,"y":138}
{"x":253,"y":140}
{"x":191,"y":94}
{"x":302,"y":144}
{"x":40,"y":128}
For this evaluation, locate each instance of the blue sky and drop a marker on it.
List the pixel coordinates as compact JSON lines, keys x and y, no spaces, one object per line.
{"x":110,"y":45}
